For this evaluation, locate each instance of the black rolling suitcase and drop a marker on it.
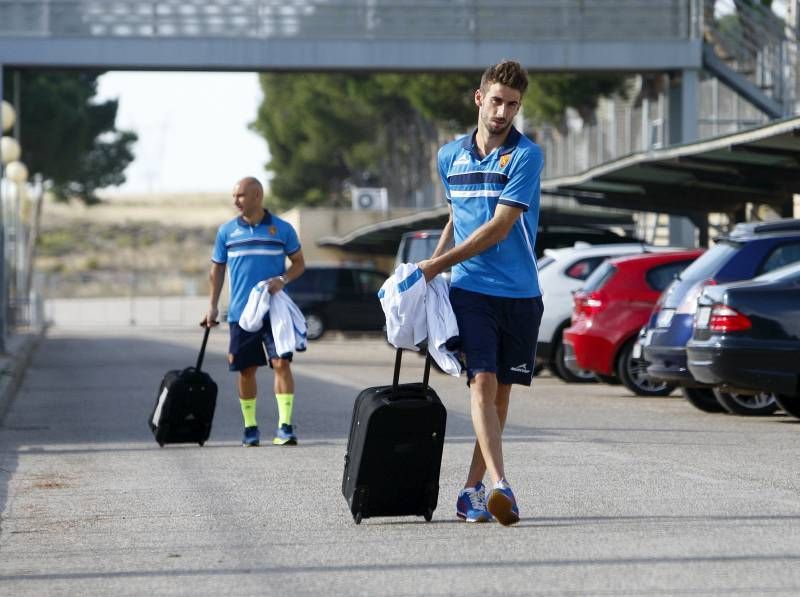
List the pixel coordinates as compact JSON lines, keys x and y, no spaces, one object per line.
{"x":394,"y":451}
{"x":185,"y":404}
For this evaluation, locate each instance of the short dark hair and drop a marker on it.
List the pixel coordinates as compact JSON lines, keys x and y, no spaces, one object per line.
{"x":509,"y":73}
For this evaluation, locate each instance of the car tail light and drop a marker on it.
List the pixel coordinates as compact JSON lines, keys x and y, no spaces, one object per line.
{"x":727,"y":319}
{"x":588,"y":303}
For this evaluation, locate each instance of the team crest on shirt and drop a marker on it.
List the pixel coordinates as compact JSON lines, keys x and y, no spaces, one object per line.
{"x":505,"y":159}
{"x":273,"y":231}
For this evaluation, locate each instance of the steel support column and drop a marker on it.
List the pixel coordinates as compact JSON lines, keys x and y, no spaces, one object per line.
{"x":3,"y":285}
{"x":684,"y":113}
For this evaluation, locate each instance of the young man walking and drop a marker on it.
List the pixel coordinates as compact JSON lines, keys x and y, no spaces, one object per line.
{"x":254,"y":247}
{"x":491,"y":181}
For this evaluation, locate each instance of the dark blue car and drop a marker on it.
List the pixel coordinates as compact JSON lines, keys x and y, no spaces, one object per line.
{"x":747,"y":341}
{"x":751,"y":249}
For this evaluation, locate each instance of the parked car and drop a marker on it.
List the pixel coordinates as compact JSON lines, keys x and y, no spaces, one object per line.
{"x":416,"y":246}
{"x":337,"y":297}
{"x":613,"y":305}
{"x":561,"y":272}
{"x":420,"y":244}
{"x":751,"y":249}
{"x":746,"y":342}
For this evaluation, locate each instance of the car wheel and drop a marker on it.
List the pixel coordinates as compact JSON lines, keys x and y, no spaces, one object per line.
{"x":789,"y":404}
{"x":750,"y":405}
{"x":315,"y":326}
{"x":633,"y":374}
{"x":704,"y":399}
{"x":561,"y":370}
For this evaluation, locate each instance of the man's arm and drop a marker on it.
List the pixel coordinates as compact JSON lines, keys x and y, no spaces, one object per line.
{"x":489,"y":234}
{"x":216,"y":277}
{"x":297,"y":265}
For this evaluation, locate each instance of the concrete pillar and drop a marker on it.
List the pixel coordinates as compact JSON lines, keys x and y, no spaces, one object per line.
{"x":3,"y":285}
{"x":683,"y":128}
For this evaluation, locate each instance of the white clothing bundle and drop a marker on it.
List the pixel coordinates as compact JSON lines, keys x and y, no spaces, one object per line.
{"x":415,"y":311}
{"x":287,"y":322}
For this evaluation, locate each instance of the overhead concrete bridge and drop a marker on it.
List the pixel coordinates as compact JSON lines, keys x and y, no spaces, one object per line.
{"x":557,"y":35}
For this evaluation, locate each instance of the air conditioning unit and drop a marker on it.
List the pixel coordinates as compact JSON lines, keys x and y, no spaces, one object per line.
{"x":370,"y":198}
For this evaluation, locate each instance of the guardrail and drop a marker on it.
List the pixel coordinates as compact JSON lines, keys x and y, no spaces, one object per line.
{"x":623,"y":20}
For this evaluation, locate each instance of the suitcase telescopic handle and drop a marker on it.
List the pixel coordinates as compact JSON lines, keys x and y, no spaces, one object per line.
{"x":397,"y":360}
{"x":206,"y":331}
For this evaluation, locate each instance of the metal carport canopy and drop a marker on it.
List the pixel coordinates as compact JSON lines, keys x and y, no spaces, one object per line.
{"x":760,"y":165}
{"x":384,"y":237}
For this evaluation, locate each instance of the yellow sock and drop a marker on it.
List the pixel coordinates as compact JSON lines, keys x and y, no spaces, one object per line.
{"x":285,"y":402}
{"x":248,"y":411}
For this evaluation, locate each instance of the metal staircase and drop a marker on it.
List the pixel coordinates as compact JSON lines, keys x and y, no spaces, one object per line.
{"x":753,"y":51}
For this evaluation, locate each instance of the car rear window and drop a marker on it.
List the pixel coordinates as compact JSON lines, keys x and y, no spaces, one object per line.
{"x":582,"y":269}
{"x":780,"y":256}
{"x":709,"y":263}
{"x":661,"y":276}
{"x":787,"y":271}
{"x":599,"y":277}
{"x":419,"y":248}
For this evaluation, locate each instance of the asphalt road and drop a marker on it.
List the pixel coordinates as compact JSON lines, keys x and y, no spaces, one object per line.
{"x":619,"y":495}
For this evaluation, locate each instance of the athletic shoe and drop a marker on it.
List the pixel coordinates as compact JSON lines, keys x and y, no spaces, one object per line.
{"x":502,"y":504}
{"x":471,"y":504}
{"x":251,"y":437}
{"x":284,"y":436}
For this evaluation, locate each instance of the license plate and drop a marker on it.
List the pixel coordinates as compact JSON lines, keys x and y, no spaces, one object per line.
{"x":636,"y":353}
{"x":703,"y":317}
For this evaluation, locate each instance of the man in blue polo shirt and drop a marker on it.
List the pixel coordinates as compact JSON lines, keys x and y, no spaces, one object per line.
{"x":254,"y":247}
{"x":491,"y":181}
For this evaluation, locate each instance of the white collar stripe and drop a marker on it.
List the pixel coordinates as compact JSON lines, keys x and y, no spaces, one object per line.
{"x":481,"y":193}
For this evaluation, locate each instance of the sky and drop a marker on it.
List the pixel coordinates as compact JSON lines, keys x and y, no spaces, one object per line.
{"x":192,"y":128}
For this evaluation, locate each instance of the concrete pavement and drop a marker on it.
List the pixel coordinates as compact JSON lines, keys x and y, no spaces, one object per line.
{"x":619,"y":495}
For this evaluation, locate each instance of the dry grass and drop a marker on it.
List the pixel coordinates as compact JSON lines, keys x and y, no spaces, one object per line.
{"x":160,"y":243}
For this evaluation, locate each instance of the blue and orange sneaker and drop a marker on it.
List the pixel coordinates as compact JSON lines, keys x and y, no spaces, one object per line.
{"x":284,"y":436}
{"x":471,"y":504}
{"x":251,"y":437}
{"x":502,"y":504}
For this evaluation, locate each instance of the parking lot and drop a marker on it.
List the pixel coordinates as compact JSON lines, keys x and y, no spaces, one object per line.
{"x":618,"y":494}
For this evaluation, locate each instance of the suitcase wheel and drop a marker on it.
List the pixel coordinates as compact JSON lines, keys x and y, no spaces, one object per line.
{"x":428,"y":515}
{"x":357,"y":517}
{"x":160,"y":444}
{"x":201,"y":444}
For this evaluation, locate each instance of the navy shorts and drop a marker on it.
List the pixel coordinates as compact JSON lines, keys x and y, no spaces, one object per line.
{"x":498,"y":334}
{"x":252,"y":349}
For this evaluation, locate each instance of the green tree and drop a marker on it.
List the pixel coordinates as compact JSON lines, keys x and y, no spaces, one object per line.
{"x":549,"y":95}
{"x":327,"y":130}
{"x":66,"y":136}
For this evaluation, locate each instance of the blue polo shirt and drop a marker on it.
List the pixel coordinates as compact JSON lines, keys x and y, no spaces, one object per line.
{"x":253,"y":253}
{"x":473,"y":187}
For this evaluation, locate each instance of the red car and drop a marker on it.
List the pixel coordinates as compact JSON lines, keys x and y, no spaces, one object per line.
{"x":610,"y":309}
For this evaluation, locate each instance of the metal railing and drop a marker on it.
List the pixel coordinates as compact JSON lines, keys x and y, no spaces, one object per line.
{"x":623,"y":20}
{"x":757,"y":43}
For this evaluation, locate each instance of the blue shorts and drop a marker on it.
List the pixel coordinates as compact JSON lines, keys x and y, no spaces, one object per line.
{"x":252,"y":349}
{"x":498,"y":334}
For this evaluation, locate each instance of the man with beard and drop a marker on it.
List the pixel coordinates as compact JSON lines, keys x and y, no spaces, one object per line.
{"x":491,"y":181}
